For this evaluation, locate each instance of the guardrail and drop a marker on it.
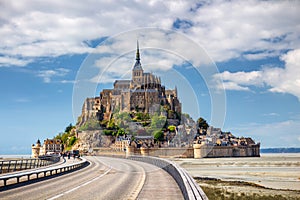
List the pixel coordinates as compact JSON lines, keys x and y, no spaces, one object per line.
{"x":49,"y":171}
{"x":189,"y":188}
{"x":7,"y":166}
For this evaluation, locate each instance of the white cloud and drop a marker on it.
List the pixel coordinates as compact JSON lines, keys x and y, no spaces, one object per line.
{"x":258,"y":56}
{"x":233,"y":27}
{"x":8,"y":61}
{"x":287,"y":80}
{"x":227,"y":29}
{"x":282,"y":80}
{"x":22,"y":100}
{"x":271,"y":114}
{"x":232,"y":86}
{"x":47,"y":75}
{"x":68,"y":81}
{"x":242,"y":78}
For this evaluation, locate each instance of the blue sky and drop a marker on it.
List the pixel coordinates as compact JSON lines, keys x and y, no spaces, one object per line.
{"x":49,"y":62}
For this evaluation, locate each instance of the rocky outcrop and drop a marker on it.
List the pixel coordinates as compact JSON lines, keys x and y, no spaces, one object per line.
{"x":93,"y":139}
{"x":89,"y":111}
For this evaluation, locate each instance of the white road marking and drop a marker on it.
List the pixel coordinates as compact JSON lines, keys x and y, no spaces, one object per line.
{"x":79,"y":186}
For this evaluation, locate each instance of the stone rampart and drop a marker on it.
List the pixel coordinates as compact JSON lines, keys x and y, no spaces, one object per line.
{"x":204,"y":151}
{"x":197,"y":151}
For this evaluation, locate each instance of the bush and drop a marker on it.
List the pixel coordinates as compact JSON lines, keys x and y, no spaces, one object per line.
{"x":172,"y":128}
{"x":72,"y":140}
{"x":159,"y":136}
{"x":108,"y":132}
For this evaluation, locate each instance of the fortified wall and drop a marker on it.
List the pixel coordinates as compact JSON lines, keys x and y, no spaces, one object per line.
{"x":197,"y":151}
{"x":205,"y":151}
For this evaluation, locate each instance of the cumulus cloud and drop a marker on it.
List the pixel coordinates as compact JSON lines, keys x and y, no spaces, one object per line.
{"x":47,"y":75}
{"x":232,"y":86}
{"x":286,"y":80}
{"x":282,"y":80}
{"x":6,"y":61}
{"x":227,"y":29}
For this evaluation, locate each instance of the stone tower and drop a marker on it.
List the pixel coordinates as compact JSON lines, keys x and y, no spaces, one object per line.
{"x":35,"y":149}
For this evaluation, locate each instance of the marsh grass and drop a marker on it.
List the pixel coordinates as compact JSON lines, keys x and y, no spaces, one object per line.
{"x":216,"y":189}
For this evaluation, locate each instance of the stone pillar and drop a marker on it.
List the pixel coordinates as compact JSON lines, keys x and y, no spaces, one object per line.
{"x":197,"y":150}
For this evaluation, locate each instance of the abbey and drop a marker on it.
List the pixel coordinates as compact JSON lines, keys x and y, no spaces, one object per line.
{"x":143,"y":93}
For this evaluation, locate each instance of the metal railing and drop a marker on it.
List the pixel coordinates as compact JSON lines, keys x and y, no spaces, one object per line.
{"x":7,"y":166}
{"x":41,"y":172}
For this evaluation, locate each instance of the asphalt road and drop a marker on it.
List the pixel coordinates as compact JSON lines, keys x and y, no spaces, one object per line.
{"x":104,"y":178}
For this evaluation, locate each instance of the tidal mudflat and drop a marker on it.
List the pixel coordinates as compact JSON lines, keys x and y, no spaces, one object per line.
{"x":274,"y":176}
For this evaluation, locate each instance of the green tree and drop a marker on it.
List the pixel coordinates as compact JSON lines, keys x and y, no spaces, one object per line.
{"x":111,"y":124}
{"x":69,"y":128}
{"x":202,"y":123}
{"x":58,"y":137}
{"x":159,"y":136}
{"x":64,"y":138}
{"x":121,"y":132}
{"x":104,"y":123}
{"x":122,"y":119}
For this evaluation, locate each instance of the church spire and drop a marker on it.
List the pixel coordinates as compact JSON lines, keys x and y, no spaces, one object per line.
{"x":137,"y":51}
{"x":137,"y":65}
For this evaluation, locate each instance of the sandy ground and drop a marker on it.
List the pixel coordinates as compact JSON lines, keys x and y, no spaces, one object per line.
{"x":275,"y":171}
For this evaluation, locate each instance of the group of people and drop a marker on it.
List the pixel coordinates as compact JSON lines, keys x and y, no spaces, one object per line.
{"x":73,"y":153}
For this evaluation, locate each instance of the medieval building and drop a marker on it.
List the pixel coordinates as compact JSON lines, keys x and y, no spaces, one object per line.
{"x":50,"y":146}
{"x":143,"y":93}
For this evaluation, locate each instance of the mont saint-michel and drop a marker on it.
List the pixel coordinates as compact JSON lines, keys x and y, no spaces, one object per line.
{"x":140,"y":116}
{"x":144,"y":93}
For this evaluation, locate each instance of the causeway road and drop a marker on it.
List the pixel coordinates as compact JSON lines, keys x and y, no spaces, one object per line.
{"x":104,"y":178}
